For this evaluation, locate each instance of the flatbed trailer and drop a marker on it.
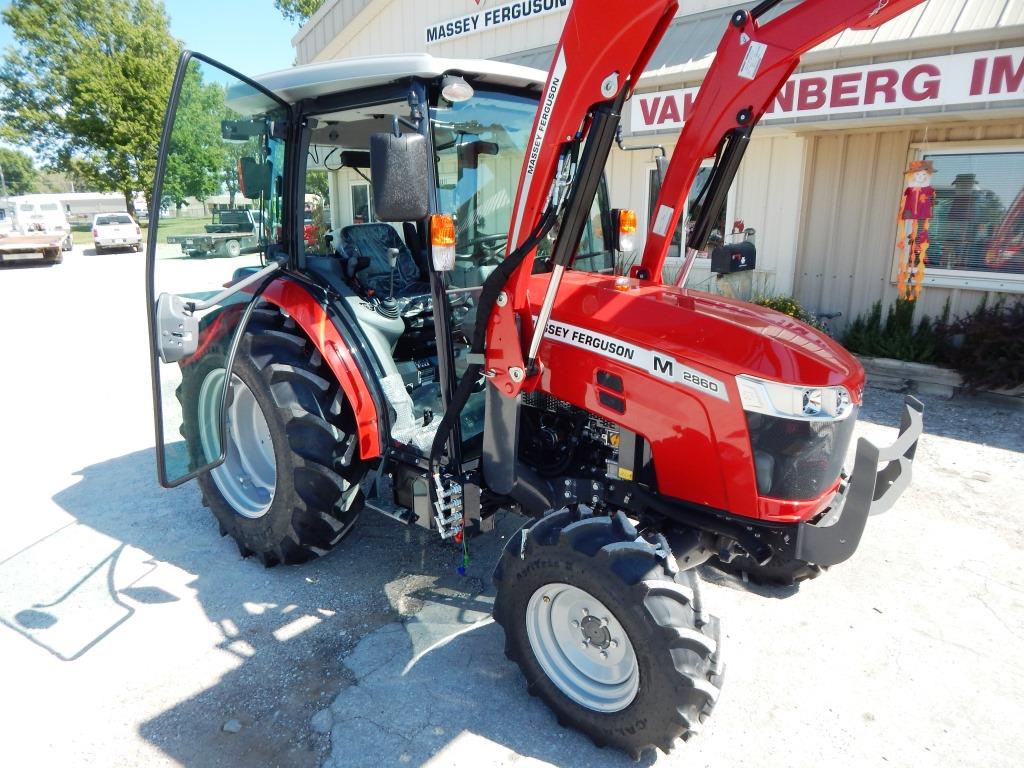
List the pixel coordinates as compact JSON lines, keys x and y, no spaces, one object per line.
{"x":221,"y":238}
{"x":23,"y":249}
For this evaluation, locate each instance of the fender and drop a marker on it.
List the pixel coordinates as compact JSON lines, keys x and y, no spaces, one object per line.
{"x":311,"y":317}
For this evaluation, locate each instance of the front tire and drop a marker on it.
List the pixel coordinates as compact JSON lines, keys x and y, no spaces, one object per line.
{"x":640,"y":666}
{"x":289,"y":488}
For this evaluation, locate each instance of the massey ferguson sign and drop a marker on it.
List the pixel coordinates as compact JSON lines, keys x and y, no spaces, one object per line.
{"x":959,"y":79}
{"x":492,"y":18}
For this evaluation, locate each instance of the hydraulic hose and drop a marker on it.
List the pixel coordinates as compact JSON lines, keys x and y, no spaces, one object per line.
{"x":492,"y":287}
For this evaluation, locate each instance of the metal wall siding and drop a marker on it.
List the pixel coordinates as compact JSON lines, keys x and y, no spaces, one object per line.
{"x":1014,"y":13}
{"x":853,"y":184}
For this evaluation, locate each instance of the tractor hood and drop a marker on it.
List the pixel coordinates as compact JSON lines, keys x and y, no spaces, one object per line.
{"x":702,"y":330}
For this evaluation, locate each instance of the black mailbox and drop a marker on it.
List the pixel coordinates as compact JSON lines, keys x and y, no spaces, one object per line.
{"x":735,"y":257}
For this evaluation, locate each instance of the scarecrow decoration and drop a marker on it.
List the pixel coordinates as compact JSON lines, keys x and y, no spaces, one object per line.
{"x":915,"y":214}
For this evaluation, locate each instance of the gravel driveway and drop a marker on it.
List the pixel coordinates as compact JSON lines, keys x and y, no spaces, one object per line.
{"x":134,"y":635}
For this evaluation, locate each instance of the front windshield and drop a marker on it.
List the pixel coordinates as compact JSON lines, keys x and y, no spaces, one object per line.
{"x":480,"y":146}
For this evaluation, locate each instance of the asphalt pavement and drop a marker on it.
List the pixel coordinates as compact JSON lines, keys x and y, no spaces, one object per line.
{"x":133,"y":635}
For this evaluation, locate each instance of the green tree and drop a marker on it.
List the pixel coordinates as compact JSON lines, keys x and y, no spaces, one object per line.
{"x":196,"y":153}
{"x":298,"y":10}
{"x":85,"y":86}
{"x":19,"y":174}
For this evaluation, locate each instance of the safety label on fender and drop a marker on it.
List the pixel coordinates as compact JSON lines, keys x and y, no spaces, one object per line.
{"x":752,"y":59}
{"x":654,"y":363}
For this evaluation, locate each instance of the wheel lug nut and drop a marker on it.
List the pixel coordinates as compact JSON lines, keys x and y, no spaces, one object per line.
{"x":547,"y":599}
{"x":604,"y":654}
{"x":604,"y":621}
{"x":575,"y":623}
{"x":614,"y":644}
{"x":585,"y":612}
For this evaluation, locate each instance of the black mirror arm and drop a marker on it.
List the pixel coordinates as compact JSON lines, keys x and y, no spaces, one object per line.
{"x":396,"y":120}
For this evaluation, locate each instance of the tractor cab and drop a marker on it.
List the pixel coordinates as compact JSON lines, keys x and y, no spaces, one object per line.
{"x":387,"y":184}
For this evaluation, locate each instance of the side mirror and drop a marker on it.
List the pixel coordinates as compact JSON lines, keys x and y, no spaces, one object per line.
{"x":469,"y":153}
{"x":400,"y":169}
{"x":253,"y":177}
{"x":661,"y":165}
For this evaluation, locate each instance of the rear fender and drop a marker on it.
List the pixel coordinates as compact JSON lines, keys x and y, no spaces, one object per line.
{"x":307,"y":312}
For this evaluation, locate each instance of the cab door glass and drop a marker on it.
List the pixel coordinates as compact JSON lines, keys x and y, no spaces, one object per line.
{"x":216,"y":216}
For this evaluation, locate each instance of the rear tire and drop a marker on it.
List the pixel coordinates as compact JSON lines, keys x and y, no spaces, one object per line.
{"x":674,"y":646}
{"x":232,"y":249}
{"x":777,"y":572}
{"x":315,"y":496}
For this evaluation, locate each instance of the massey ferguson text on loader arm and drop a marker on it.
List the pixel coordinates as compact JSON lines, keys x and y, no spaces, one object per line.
{"x":590,"y":78}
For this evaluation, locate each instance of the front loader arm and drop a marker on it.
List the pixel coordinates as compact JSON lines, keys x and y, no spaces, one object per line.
{"x":752,"y":63}
{"x":603,"y":49}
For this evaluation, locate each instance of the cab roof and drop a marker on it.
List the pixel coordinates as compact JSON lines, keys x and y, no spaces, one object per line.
{"x":323,"y":78}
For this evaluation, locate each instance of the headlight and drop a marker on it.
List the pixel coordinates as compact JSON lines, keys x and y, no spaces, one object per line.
{"x":799,"y":435}
{"x":794,"y":402}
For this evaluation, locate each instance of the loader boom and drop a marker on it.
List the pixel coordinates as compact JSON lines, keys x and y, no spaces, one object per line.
{"x":752,"y":63}
{"x":590,"y":77}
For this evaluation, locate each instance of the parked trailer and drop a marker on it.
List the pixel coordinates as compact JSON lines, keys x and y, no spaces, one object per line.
{"x":232,"y":234}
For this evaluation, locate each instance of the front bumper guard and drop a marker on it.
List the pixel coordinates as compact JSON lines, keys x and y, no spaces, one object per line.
{"x":870,"y":491}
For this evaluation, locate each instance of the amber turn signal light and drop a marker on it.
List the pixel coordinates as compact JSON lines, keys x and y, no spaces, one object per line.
{"x":442,"y":242}
{"x":627,"y":229}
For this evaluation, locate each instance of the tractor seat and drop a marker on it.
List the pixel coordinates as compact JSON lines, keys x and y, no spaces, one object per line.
{"x":373,"y":241}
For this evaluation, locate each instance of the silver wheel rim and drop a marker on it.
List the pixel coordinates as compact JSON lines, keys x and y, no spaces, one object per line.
{"x":248,"y":476}
{"x":582,"y":647}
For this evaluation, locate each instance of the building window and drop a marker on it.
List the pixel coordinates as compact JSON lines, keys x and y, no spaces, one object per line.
{"x":362,"y":204}
{"x":976,"y":233}
{"x":717,"y":231}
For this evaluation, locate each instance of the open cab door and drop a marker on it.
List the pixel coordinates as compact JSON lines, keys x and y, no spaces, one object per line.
{"x":216,"y":220}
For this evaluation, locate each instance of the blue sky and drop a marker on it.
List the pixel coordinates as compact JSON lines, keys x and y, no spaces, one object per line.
{"x":248,"y":35}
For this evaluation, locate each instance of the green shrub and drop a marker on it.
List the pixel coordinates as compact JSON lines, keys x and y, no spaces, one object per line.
{"x":986,"y":346}
{"x":898,"y":336}
{"x":787,"y":305}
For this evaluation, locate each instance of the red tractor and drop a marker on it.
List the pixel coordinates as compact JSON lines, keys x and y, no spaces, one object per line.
{"x":476,"y":345}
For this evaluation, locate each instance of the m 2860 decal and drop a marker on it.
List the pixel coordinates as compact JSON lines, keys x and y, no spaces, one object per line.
{"x":647,"y":360}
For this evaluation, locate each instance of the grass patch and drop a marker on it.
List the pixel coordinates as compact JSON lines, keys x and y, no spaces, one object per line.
{"x":167,"y":228}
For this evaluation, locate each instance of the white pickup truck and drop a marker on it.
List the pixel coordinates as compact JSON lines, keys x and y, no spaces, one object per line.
{"x":112,"y":231}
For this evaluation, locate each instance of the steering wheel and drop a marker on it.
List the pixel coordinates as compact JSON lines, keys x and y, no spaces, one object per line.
{"x":492,"y":246}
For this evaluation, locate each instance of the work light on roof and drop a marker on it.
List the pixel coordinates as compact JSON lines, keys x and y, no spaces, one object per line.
{"x":454,"y":88}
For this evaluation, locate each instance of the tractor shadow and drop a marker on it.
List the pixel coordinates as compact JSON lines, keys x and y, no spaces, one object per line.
{"x":457,"y":701}
{"x":136,"y":549}
{"x":294,"y":637}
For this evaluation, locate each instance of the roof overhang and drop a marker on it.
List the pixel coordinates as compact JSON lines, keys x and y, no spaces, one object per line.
{"x":314,"y":80}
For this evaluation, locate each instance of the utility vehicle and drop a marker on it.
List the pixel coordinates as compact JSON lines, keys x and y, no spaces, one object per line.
{"x":471,"y":335}
{"x":38,"y":214}
{"x":32,"y":248}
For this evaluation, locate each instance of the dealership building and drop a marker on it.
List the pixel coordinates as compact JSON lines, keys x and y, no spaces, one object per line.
{"x":821,"y":184}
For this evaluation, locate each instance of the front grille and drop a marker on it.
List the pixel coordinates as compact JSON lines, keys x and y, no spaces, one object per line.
{"x":798,"y":459}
